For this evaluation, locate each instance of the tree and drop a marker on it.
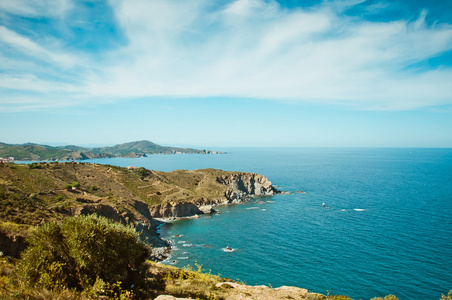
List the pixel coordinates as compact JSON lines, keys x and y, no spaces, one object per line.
{"x":83,"y":252}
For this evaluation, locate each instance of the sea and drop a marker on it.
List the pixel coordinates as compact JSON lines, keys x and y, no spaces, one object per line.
{"x":385,"y":226}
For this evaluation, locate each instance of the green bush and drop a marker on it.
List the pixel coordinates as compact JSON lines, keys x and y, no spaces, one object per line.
{"x":84,"y":253}
{"x":34,"y":166}
{"x":67,"y":186}
{"x":59,"y":198}
{"x":448,"y":297}
{"x":75,"y":184}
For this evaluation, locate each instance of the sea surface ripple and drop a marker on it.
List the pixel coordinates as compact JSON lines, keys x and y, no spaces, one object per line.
{"x":386,"y":227}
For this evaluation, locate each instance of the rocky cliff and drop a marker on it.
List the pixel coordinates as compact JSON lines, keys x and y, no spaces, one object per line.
{"x":245,"y":185}
{"x":238,"y":187}
{"x":173,"y":209}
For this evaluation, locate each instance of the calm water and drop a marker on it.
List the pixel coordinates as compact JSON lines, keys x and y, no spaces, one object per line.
{"x":386,"y":227}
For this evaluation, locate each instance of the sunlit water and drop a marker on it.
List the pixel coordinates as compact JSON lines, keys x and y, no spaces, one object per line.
{"x":386,"y":227}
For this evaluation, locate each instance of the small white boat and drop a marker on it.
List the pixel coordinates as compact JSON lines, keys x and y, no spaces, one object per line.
{"x":228,"y":249}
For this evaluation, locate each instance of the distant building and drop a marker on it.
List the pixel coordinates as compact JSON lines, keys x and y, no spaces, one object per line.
{"x":7,"y":160}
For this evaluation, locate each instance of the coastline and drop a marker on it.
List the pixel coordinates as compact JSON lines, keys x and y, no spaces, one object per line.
{"x":170,"y":238}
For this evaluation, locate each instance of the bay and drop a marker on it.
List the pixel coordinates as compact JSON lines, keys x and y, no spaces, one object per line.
{"x":385,"y":228}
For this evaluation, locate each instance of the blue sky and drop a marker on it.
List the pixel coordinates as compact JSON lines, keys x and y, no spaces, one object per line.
{"x":224,"y":73}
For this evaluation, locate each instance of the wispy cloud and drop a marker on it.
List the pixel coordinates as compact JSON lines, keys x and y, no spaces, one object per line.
{"x":245,"y":48}
{"x":36,"y":8}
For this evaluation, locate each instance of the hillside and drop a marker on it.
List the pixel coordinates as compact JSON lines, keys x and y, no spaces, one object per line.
{"x":146,"y":147}
{"x":39,"y":192}
{"x":36,"y":152}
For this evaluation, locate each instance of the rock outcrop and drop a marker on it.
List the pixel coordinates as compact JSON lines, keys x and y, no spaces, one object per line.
{"x":175,"y":209}
{"x":244,"y":185}
{"x":263,"y":292}
{"x":104,"y":210}
{"x":236,"y":291}
{"x":12,"y":244}
{"x":241,"y":187}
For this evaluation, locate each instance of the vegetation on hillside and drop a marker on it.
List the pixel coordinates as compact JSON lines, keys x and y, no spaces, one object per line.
{"x":38,"y":152}
{"x":34,"y":193}
{"x":84,"y":253}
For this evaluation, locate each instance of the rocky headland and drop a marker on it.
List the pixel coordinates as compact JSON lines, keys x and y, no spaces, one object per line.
{"x":39,"y":192}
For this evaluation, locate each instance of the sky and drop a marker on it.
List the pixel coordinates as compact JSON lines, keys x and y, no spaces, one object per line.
{"x":227,"y":73}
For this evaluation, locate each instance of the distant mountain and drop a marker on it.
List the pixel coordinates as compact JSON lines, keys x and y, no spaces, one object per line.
{"x":37,"y":152}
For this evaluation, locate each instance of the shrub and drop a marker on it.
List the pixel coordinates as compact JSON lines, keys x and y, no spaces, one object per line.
{"x":68,"y":186}
{"x":59,"y":198}
{"x":83,"y":253}
{"x":142,"y":172}
{"x":34,"y":166}
{"x":448,"y":297}
{"x":75,"y":184}
{"x":192,"y":282}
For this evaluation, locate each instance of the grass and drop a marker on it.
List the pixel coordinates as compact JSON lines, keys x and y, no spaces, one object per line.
{"x":10,"y":228}
{"x":191,"y":282}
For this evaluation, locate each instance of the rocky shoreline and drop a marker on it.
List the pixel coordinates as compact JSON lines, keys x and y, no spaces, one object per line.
{"x":145,"y":199}
{"x":243,"y":188}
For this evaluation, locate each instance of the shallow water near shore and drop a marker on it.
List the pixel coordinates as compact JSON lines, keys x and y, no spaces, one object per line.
{"x":385,"y":228}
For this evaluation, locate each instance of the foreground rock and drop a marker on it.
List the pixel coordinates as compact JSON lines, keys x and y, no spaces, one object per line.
{"x":235,"y":291}
{"x":262,"y":292}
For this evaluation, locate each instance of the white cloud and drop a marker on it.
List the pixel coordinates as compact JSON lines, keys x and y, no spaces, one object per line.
{"x":254,"y":48}
{"x":31,"y":48}
{"x":36,"y":7}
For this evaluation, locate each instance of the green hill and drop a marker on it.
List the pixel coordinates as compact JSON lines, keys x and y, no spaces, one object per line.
{"x":36,"y":152}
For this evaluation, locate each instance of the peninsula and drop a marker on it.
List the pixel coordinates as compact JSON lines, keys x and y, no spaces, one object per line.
{"x":40,"y":192}
{"x":37,"y":152}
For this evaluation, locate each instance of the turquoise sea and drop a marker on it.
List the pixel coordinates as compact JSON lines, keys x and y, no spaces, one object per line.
{"x":386,"y":227}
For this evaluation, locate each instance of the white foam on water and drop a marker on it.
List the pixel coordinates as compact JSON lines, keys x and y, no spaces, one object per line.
{"x":253,"y":207}
{"x":359,"y":209}
{"x":187,"y":245}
